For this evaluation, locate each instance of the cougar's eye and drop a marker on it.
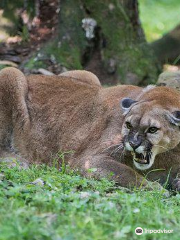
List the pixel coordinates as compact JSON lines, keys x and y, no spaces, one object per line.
{"x":152,"y":130}
{"x":128,"y":125}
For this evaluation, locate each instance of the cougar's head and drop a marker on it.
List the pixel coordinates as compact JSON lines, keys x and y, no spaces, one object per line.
{"x":151,"y":124}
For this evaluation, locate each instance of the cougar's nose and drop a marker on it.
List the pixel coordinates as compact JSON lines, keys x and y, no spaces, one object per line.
{"x":135,"y":141}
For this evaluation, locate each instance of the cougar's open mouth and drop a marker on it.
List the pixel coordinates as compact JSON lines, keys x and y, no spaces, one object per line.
{"x":141,"y":158}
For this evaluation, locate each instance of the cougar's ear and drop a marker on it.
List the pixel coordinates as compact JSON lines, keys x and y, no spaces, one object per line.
{"x":126,"y":103}
{"x":174,"y":118}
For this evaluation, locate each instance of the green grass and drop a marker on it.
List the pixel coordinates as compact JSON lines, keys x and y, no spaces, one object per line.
{"x":68,"y":207}
{"x":159,"y":17}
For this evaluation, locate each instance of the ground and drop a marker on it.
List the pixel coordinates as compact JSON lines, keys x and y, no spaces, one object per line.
{"x":44,"y":203}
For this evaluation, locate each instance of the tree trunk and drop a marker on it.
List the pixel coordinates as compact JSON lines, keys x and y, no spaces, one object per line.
{"x":106,"y":38}
{"x":167,"y":48}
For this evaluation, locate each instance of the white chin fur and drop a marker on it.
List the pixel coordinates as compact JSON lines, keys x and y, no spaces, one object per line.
{"x":128,"y":147}
{"x":144,"y":166}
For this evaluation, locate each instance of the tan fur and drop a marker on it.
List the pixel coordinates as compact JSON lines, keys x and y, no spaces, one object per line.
{"x":83,"y":75}
{"x":41,"y":116}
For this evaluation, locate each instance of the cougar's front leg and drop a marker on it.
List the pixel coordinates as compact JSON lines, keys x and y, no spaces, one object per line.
{"x":105,"y":166}
{"x":13,"y":109}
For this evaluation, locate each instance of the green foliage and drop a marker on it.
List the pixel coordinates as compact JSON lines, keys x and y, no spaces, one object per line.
{"x":3,"y":66}
{"x":24,"y":34}
{"x":159,"y":17}
{"x":11,"y":12}
{"x":10,"y":8}
{"x":34,"y":63}
{"x":64,"y":54}
{"x":68,"y":206}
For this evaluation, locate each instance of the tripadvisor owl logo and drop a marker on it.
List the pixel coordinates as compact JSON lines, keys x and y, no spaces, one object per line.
{"x":139,"y":231}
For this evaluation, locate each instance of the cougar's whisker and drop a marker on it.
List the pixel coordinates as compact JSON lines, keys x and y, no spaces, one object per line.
{"x":122,"y":155}
{"x":156,"y":145}
{"x":116,"y":150}
{"x":111,"y":147}
{"x":120,"y":146}
{"x":117,"y":147}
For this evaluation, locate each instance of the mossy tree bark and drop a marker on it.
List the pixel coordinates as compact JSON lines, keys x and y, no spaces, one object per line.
{"x":105,"y":37}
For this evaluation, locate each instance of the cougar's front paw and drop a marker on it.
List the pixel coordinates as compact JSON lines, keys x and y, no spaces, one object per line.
{"x":176,"y":184}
